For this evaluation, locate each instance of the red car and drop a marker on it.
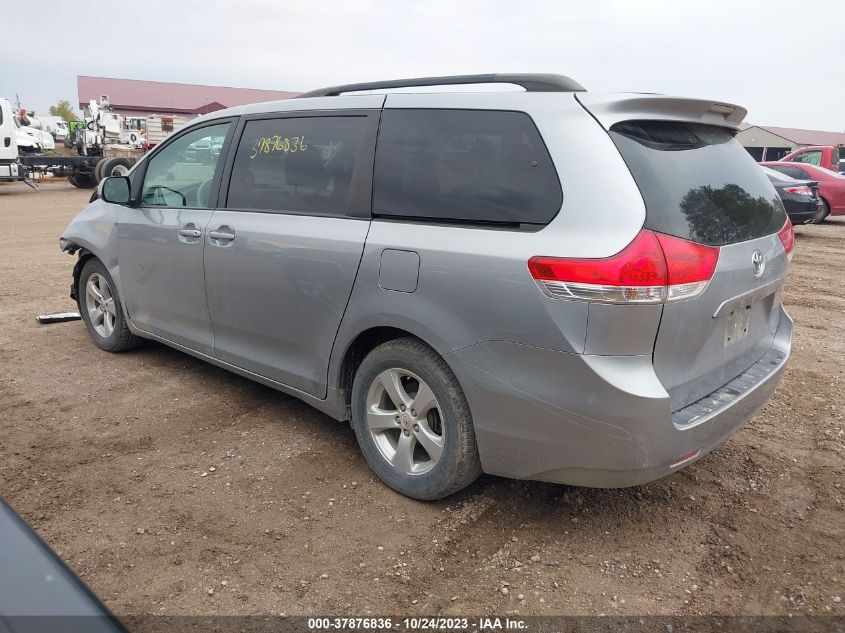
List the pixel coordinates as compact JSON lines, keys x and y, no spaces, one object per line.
{"x":831,"y":184}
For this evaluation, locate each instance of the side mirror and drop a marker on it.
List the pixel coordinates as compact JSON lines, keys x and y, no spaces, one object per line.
{"x":114,"y":189}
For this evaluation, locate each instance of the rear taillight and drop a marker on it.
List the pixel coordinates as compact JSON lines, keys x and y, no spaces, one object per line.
{"x":787,"y":237}
{"x":802,"y":190}
{"x":653,"y":268}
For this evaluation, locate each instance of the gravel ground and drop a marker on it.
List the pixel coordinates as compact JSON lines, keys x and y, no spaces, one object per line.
{"x":174,"y":487}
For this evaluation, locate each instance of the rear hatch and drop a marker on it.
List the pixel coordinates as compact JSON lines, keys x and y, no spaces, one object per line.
{"x":700,"y":184}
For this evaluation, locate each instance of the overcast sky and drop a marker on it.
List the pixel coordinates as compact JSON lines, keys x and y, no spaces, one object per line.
{"x":724,"y":50}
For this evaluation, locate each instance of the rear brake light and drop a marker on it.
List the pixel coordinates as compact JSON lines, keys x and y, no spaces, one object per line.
{"x":653,"y":268}
{"x":802,"y":190}
{"x":787,"y":237}
{"x":690,"y":266}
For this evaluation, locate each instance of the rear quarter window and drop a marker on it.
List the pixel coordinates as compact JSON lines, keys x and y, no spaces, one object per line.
{"x":698,"y":182}
{"x":475,"y":166}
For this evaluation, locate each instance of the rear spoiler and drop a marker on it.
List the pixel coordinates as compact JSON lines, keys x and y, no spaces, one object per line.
{"x":609,"y":109}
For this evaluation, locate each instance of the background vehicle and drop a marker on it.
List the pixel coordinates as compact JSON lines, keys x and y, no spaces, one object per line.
{"x":73,"y":128}
{"x":831,"y":184}
{"x":107,"y":144}
{"x":55,"y":125}
{"x":10,"y":168}
{"x":38,"y":592}
{"x":411,"y":262}
{"x":31,"y":138}
{"x":800,"y":197}
{"x":826,"y":156}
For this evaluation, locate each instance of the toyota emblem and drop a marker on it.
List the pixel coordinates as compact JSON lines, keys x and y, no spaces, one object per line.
{"x":758,"y":264}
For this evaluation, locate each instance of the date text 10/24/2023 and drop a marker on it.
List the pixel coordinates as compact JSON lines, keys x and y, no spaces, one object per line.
{"x":421,"y":623}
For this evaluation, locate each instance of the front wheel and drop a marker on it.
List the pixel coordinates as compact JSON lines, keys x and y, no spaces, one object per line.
{"x":413,"y":422}
{"x":101,"y":309}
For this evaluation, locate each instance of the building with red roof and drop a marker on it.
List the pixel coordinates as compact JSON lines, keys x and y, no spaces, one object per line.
{"x":133,"y":97}
{"x":766,"y":142}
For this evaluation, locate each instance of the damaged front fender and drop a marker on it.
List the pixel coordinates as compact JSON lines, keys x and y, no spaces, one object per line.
{"x":93,"y":233}
{"x":67,"y":246}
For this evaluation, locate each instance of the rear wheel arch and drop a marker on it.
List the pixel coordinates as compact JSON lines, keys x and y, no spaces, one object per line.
{"x":365,"y":342}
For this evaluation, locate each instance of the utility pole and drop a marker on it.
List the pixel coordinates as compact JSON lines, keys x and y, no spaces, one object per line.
{"x":18,"y":99}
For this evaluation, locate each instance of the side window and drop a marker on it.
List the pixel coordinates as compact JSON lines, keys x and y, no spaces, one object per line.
{"x":792,"y":172}
{"x":811,"y":158}
{"x":464,"y":165}
{"x":180,"y":174}
{"x":296,"y":164}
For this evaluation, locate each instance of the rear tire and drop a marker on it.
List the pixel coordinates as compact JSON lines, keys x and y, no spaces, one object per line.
{"x":423,"y":446}
{"x":82,"y":180}
{"x":823,"y":212}
{"x":98,"y":169}
{"x":118,"y":167}
{"x":101,"y":309}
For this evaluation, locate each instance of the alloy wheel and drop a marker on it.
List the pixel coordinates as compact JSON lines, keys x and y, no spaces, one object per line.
{"x":100,"y":305}
{"x":404,"y":420}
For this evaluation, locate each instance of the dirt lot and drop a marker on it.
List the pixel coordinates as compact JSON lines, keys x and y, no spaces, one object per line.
{"x":160,"y":478}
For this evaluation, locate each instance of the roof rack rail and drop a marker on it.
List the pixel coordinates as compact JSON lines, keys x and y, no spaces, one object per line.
{"x":538,"y":82}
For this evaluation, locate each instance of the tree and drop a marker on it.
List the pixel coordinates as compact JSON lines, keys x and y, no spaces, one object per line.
{"x":64,"y":110}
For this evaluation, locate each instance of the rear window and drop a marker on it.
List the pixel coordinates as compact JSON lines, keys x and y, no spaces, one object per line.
{"x":792,"y":172}
{"x":698,"y":182}
{"x":477,"y":166}
{"x":811,"y":158}
{"x":778,"y":176}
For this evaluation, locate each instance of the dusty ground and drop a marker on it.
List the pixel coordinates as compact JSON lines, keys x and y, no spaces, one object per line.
{"x":159,"y":478}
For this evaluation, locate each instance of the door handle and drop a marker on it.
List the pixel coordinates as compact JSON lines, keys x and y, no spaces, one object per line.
{"x":190,"y":232}
{"x":222,"y":236}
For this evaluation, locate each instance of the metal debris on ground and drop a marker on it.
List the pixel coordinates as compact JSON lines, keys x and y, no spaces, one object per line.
{"x":58,"y":317}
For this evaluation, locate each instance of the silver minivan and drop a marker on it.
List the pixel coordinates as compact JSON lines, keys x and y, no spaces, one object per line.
{"x":539,"y":283}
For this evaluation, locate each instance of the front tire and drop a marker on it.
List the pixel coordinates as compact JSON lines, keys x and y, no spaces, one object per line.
{"x":413,"y":422}
{"x":101,"y":309}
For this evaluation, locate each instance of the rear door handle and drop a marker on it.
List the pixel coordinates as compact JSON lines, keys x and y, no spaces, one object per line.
{"x":190,"y":232}
{"x":222,"y":236}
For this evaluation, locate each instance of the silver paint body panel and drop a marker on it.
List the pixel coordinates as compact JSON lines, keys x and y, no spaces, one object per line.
{"x":559,"y":390}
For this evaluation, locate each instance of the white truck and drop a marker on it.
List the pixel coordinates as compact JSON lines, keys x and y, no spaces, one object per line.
{"x":21,"y":153}
{"x":31,"y":136}
{"x":108,"y":144}
{"x":56,"y":126}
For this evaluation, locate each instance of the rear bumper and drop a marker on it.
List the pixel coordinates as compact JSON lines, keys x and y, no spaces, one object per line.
{"x":803,"y":217}
{"x":599,"y":421}
{"x":801,"y":211}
